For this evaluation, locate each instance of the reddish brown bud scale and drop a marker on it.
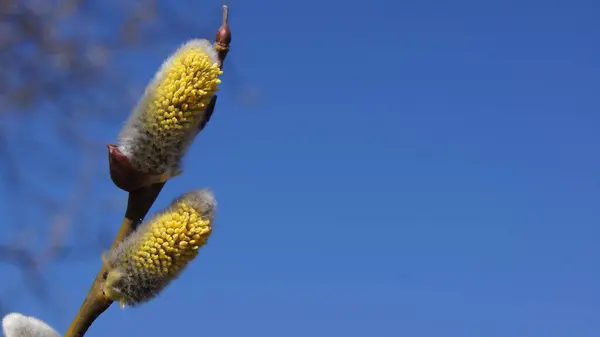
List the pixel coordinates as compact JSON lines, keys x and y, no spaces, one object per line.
{"x":223,"y":38}
{"x":222,"y":41}
{"x":209,"y":111}
{"x":122,"y":173}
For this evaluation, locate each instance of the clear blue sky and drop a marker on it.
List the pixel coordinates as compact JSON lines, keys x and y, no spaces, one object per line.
{"x":417,"y":168}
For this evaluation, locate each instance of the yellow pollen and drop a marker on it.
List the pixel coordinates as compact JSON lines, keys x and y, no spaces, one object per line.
{"x":172,"y":241}
{"x":181,"y":94}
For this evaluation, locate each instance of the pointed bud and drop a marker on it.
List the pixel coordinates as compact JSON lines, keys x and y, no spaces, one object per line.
{"x":223,"y":38}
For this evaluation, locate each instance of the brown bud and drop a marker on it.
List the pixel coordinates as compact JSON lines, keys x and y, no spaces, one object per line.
{"x":122,"y":173}
{"x":223,"y":38}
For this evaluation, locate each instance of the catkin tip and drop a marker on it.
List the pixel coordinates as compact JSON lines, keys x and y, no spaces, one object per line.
{"x":166,"y":120}
{"x":10,"y":321}
{"x":203,"y":45}
{"x":203,"y":201}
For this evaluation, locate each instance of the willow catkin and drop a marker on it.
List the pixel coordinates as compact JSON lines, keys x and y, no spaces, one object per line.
{"x":18,"y":325}
{"x":165,"y":121}
{"x":156,"y":253}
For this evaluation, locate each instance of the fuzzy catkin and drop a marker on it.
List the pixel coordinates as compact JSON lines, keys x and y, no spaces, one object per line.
{"x":18,"y":325}
{"x":165,"y":121}
{"x":156,"y":253}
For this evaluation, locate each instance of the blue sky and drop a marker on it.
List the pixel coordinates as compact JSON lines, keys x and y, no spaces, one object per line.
{"x":415,"y":168}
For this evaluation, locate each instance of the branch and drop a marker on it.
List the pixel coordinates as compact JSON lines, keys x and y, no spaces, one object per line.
{"x":139,"y":203}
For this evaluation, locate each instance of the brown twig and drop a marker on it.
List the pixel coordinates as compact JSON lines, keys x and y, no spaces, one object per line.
{"x":139,"y":203}
{"x":96,"y":303}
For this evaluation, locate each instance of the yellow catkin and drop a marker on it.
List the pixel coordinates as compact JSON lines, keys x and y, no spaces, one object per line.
{"x":189,"y":82}
{"x":160,"y":249}
{"x":166,"y":120}
{"x":172,"y":240}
